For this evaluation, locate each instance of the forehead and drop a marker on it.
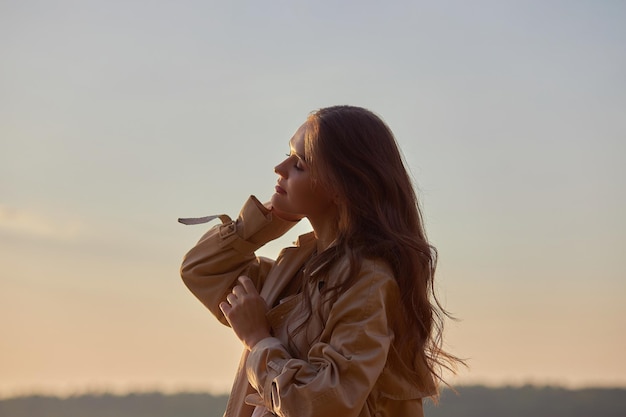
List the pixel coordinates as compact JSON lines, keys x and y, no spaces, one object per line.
{"x":297,"y":140}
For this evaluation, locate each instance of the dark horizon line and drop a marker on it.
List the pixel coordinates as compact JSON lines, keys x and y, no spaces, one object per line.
{"x":111,"y":392}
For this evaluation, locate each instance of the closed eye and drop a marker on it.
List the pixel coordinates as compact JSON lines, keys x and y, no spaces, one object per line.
{"x":298,"y":165}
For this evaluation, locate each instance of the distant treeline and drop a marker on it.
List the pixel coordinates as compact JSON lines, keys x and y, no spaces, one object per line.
{"x":469,"y":401}
{"x":529,"y":401}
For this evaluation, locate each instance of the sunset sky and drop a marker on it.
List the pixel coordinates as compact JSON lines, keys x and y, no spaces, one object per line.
{"x":118,"y":117}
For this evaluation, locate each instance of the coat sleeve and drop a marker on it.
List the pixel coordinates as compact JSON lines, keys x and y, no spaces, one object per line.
{"x":342,"y":368}
{"x":226,"y":251}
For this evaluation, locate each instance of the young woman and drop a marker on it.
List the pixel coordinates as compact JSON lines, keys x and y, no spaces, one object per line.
{"x":345,"y":323}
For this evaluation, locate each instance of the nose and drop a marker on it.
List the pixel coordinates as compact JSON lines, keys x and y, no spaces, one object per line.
{"x":281,"y":170}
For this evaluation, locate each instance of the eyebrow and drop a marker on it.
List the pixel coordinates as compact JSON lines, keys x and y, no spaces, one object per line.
{"x":292,"y":151}
{"x":300,"y":157}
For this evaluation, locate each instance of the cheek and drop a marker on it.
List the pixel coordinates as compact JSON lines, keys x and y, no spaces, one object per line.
{"x":321,"y":197}
{"x":304,"y":194}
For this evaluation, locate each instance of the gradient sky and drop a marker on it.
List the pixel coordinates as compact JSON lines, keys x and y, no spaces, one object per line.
{"x":117,"y":117}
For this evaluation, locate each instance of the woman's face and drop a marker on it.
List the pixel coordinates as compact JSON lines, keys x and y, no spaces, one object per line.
{"x":296,"y":192}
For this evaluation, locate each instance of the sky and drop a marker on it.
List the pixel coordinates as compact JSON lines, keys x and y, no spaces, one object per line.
{"x":118,"y":117}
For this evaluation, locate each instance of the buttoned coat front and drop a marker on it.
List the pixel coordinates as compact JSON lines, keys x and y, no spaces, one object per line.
{"x":343,"y":363}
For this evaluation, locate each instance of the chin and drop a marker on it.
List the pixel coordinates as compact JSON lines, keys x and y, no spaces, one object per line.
{"x":278,"y":201}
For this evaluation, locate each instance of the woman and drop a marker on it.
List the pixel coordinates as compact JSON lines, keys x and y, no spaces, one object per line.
{"x":345,"y":323}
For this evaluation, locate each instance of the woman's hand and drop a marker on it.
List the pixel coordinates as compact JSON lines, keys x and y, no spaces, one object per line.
{"x":245,"y":310}
{"x":282,"y":214}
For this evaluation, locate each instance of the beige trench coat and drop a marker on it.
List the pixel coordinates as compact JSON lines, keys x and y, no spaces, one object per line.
{"x":345,"y":364}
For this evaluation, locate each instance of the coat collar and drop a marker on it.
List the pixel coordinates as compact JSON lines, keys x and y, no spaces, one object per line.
{"x":287,"y":265}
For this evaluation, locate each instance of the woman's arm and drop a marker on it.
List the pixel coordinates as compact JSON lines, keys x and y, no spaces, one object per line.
{"x":210,"y":269}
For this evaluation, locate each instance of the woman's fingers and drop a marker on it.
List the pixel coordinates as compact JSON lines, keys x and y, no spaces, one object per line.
{"x":247,"y":284}
{"x":246,"y":287}
{"x":225,"y":307}
{"x":245,"y":311}
{"x":238,"y":291}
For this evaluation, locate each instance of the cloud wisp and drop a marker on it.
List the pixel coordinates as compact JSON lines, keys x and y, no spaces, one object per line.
{"x":29,"y":223}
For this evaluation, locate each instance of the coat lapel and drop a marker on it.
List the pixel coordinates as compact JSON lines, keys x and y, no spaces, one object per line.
{"x":287,"y":264}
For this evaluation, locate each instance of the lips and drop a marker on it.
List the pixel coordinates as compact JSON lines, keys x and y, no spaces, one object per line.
{"x":280,"y":190}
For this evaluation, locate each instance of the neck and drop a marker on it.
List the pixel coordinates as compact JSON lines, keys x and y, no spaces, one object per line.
{"x":325,"y":231}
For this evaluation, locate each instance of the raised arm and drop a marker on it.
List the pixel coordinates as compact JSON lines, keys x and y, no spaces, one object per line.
{"x":211,"y":268}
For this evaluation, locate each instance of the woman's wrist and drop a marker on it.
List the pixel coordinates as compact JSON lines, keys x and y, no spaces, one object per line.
{"x":251,"y":342}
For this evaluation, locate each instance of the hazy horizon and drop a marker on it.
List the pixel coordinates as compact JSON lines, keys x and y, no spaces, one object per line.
{"x":116,"y":118}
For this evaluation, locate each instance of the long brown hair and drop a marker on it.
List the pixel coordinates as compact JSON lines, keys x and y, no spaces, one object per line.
{"x":354,"y":153}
